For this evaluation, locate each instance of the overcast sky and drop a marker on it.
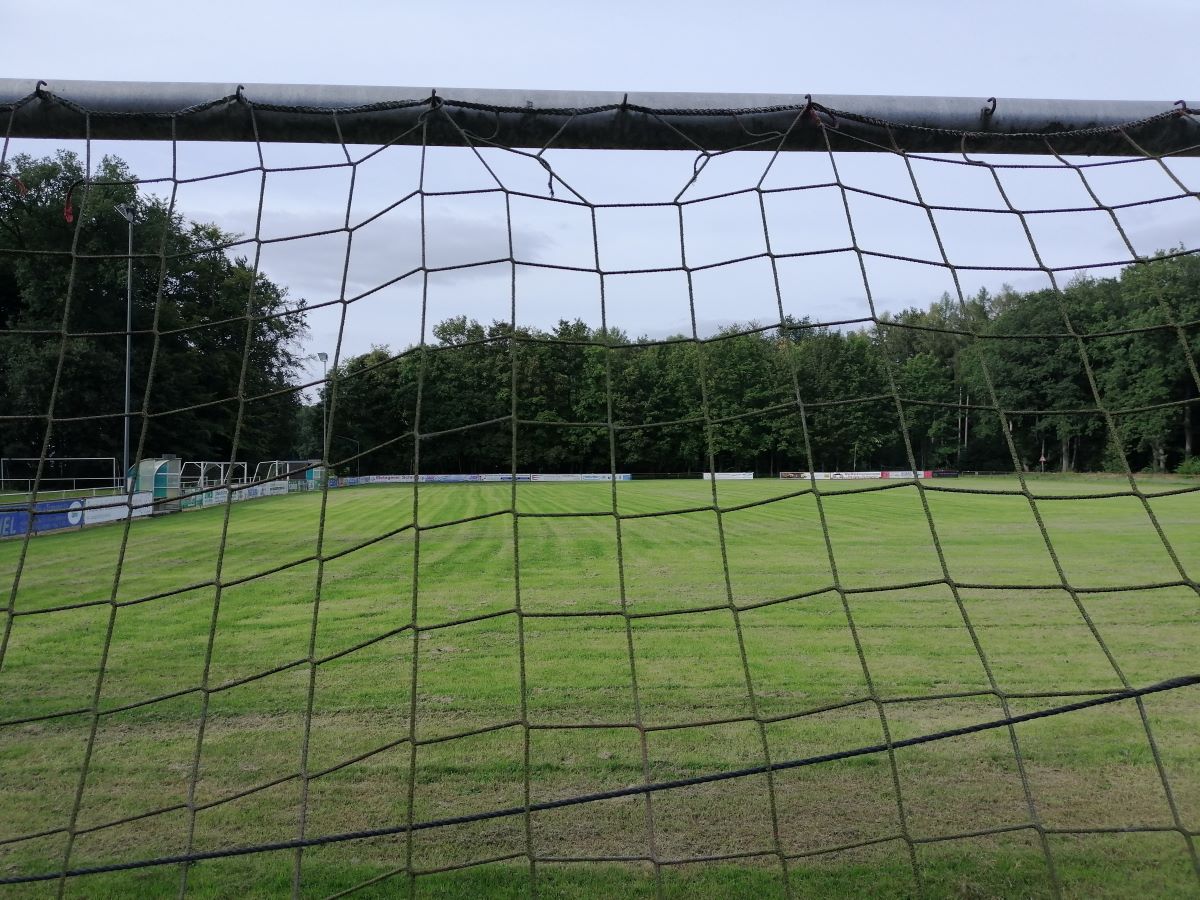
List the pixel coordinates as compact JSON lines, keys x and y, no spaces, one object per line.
{"x":1077,"y":50}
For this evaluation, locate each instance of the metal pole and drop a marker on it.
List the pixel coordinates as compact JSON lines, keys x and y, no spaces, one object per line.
{"x":126,"y":212}
{"x":324,"y":357}
{"x":967,"y":422}
{"x":128,"y":353}
{"x":959,"y":436}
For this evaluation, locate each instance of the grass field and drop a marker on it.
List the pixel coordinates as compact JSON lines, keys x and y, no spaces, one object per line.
{"x":754,"y":652}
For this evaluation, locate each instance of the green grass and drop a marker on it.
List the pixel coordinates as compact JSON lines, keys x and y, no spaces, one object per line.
{"x":1085,"y":771}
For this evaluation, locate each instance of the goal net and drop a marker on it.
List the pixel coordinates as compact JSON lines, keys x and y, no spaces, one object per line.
{"x":651,"y":495}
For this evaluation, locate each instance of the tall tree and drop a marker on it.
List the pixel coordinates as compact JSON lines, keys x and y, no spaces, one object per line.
{"x":218,"y":339}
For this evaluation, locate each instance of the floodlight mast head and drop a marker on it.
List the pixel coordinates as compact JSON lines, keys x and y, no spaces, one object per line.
{"x":323,"y":356}
{"x":126,"y":212}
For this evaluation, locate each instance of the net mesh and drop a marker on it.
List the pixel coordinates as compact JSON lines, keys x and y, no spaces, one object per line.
{"x":438,"y":768}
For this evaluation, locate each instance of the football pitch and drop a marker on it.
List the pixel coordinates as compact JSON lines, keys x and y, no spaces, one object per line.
{"x":284,"y":669}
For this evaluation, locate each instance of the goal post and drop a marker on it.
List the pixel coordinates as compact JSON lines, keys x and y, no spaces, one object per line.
{"x":618,"y":684}
{"x":585,"y":119}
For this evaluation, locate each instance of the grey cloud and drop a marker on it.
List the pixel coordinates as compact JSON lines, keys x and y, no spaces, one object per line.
{"x":312,"y":266}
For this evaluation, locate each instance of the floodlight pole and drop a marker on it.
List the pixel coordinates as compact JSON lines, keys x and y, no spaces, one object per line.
{"x":126,"y":212}
{"x":324,"y":358}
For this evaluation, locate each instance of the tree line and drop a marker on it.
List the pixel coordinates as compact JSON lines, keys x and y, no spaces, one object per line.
{"x":206,"y":325}
{"x":1102,"y":369}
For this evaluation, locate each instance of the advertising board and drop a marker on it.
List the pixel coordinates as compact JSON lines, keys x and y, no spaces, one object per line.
{"x":117,"y":508}
{"x":48,"y":515}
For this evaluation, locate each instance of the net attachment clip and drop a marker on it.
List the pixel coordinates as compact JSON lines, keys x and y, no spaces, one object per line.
{"x":986,"y":112}
{"x":816,"y":114}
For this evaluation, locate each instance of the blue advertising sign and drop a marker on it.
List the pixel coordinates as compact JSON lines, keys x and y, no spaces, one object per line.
{"x":49,"y":515}
{"x":13,"y":522}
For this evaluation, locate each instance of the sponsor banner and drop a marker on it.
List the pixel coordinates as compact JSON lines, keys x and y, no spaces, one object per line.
{"x":55,"y":514}
{"x":586,"y":476}
{"x":214,"y":498}
{"x":945,"y":473}
{"x":860,"y":476}
{"x":217,"y":496}
{"x":479,"y":477}
{"x":13,"y":522}
{"x":486,"y":477}
{"x":117,"y":508}
{"x":728,"y":476}
{"x":268,"y":489}
{"x":48,"y":515}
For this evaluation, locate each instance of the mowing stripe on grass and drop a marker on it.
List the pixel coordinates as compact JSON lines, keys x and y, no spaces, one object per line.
{"x":636,"y":790}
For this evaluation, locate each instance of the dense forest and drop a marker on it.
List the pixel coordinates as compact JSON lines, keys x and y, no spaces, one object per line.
{"x":1084,"y":376}
{"x":198,"y":313}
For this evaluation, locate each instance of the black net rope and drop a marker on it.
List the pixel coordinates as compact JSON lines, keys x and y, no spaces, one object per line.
{"x":648,"y":790}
